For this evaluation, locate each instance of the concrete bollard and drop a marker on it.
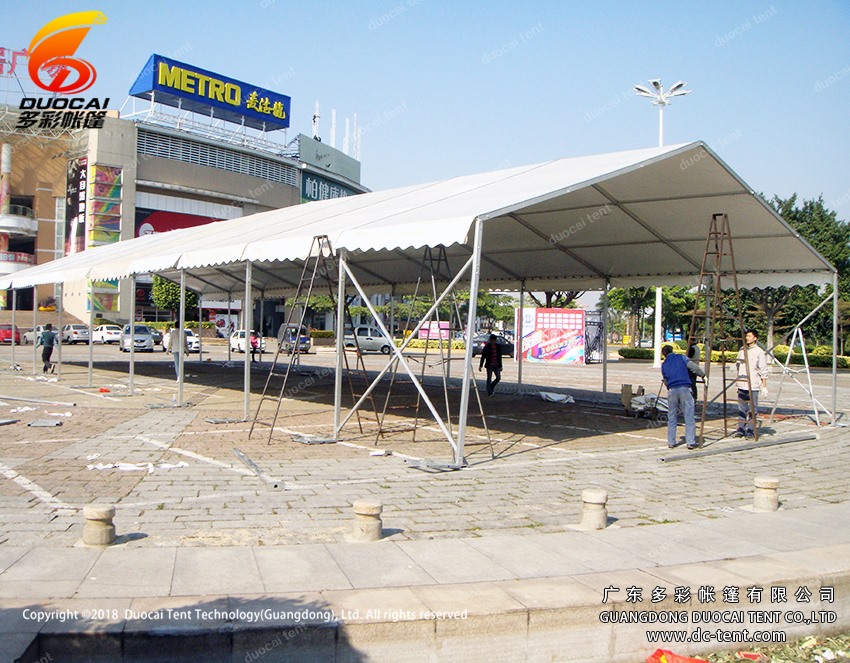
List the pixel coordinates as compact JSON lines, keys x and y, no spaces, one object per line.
{"x":766,"y":494}
{"x":594,"y":513}
{"x":99,"y":530}
{"x":367,"y":520}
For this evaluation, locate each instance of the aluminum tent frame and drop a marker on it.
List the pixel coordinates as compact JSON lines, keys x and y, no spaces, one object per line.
{"x":622,"y":219}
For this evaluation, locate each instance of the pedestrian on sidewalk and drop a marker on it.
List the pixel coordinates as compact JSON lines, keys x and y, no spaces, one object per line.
{"x":751,"y":383}
{"x":255,"y":346}
{"x":178,"y":346}
{"x":491,"y":358}
{"x":47,"y":340}
{"x":675,"y":371}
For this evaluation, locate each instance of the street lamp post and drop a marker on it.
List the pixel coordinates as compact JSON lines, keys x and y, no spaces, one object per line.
{"x":660,"y":97}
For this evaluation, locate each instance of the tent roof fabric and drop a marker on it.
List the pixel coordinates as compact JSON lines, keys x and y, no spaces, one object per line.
{"x":629,"y":218}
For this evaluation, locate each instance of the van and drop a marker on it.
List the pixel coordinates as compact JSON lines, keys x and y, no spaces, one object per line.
{"x":292,"y":339}
{"x":368,"y":339}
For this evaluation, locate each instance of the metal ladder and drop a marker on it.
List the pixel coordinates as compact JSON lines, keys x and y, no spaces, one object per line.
{"x":320,"y":263}
{"x":718,"y":263}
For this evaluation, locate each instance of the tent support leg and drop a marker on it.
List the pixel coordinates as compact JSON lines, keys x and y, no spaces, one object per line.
{"x":132,"y":322}
{"x":518,"y":332}
{"x":59,"y":324}
{"x":340,"y":348}
{"x":14,"y":325}
{"x":605,"y":338}
{"x":91,"y":342}
{"x":246,"y":326}
{"x":181,"y":338}
{"x":834,"y":347}
{"x":460,"y":460}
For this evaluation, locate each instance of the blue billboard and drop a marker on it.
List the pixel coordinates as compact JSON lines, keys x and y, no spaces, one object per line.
{"x":183,"y":86}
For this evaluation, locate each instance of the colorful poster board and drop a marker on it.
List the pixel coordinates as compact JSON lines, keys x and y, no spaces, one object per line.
{"x":552,"y":335}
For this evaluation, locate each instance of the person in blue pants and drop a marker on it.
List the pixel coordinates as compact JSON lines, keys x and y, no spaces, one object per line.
{"x":676,"y":370}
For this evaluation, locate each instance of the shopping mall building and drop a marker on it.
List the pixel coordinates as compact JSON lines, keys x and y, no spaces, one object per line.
{"x":171,"y":159}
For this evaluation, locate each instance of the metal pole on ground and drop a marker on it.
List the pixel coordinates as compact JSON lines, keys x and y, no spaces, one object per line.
{"x":470,"y":325}
{"x":246,"y":327}
{"x":340,"y":348}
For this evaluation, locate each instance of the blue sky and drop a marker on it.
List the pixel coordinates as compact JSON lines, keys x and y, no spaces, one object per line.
{"x":449,"y":88}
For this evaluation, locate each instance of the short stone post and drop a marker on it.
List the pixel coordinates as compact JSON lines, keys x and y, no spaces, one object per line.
{"x":594,"y":513}
{"x":367,"y":520}
{"x":766,"y":494}
{"x":98,"y":530}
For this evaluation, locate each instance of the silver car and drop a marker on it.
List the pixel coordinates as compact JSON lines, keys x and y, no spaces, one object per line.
{"x":142,"y":339}
{"x":369,"y":339}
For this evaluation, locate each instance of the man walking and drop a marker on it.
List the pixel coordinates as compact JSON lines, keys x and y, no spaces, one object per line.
{"x":676,"y":370}
{"x":752,"y":381}
{"x":47,"y":340}
{"x":491,"y":357}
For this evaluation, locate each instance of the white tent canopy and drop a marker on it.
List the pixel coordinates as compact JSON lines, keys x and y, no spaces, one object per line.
{"x":627,"y":218}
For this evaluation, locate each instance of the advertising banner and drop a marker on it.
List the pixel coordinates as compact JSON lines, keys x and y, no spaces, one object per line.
{"x":552,"y":335}
{"x":435,"y":330}
{"x":76,"y":193}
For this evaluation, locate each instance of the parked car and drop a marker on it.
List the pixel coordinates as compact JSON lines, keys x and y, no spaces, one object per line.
{"x":479,"y":341}
{"x":106,"y":334}
{"x":142,"y":339}
{"x":157,"y":337}
{"x":292,"y":339}
{"x":10,"y":334}
{"x":32,"y":335}
{"x":237,"y":341}
{"x":192,"y":339}
{"x":75,"y":334}
{"x":369,"y":339}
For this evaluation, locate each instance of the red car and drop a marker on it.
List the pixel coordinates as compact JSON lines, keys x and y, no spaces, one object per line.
{"x":7,"y":332}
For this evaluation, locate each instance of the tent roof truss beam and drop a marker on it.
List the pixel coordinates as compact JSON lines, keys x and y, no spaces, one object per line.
{"x":563,"y":249}
{"x":643,"y":224}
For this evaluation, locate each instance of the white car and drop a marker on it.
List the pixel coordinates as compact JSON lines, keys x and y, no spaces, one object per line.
{"x":192,"y":340}
{"x":106,"y":334}
{"x":75,"y":334}
{"x":142,"y":339}
{"x":32,"y":335}
{"x":237,"y":341}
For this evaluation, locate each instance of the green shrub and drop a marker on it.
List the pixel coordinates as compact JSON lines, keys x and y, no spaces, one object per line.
{"x":822,"y":351}
{"x":820,"y":361}
{"x":322,"y":333}
{"x":636,"y":353}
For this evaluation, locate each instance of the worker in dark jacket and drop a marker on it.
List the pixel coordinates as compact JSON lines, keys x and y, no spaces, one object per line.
{"x":676,"y":371}
{"x":491,"y":358}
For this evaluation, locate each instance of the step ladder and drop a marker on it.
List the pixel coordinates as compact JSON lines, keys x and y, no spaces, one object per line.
{"x":721,"y":325}
{"x":320,"y":264}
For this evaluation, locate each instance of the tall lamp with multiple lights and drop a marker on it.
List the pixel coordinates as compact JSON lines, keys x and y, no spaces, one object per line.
{"x":660,"y":97}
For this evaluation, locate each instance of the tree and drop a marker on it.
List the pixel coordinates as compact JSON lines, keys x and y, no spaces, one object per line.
{"x":557,"y":298}
{"x":166,"y":296}
{"x":831,"y":238}
{"x":634,"y":301}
